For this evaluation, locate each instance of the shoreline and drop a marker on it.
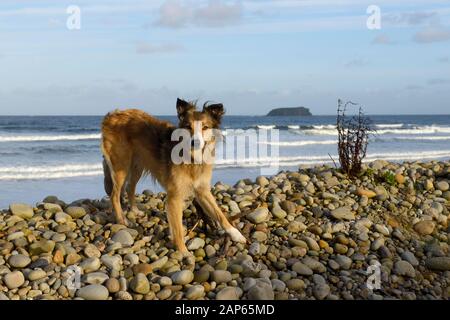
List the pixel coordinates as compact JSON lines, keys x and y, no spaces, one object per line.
{"x":313,"y":234}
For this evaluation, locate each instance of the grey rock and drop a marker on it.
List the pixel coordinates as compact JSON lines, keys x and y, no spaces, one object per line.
{"x":404,"y":268}
{"x":13,"y":279}
{"x":438,"y":263}
{"x":19,"y":261}
{"x":140,"y":284}
{"x":21,"y":210}
{"x":195,"y":244}
{"x":123,"y":237}
{"x":221,"y":276}
{"x":76,"y":212}
{"x":228,"y":293}
{"x":93,"y":292}
{"x":182,"y":277}
{"x":343,"y":213}
{"x":259,"y":215}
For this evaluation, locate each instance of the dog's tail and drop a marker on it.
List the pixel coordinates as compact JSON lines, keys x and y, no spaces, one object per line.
{"x":108,"y":183}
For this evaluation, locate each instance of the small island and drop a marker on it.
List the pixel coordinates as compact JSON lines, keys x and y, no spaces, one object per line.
{"x":297,"y":111}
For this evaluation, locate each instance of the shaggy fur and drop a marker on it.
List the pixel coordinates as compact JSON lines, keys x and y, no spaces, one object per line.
{"x":135,"y":143}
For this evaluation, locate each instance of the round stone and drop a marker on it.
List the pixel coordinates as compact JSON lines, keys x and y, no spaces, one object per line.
{"x":183,"y":277}
{"x":140,"y":284}
{"x":227,"y":293}
{"x":19,"y":261}
{"x":259,"y":215}
{"x":36,"y":275}
{"x":424,"y":227}
{"x":76,"y":212}
{"x":21,"y":210}
{"x":113,"y":285}
{"x":13,"y":279}
{"x":221,"y":276}
{"x":195,"y":292}
{"x":90,"y":264}
{"x":93,"y":292}
{"x":302,"y":269}
{"x":404,"y":268}
{"x":195,"y":244}
{"x":123,"y":237}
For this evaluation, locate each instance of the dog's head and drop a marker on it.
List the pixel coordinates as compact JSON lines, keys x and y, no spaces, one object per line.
{"x":201,"y":124}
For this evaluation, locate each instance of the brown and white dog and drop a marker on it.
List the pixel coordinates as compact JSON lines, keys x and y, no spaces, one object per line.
{"x":135,"y":143}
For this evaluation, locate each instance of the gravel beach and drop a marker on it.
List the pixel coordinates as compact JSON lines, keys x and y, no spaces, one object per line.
{"x":312,"y":234}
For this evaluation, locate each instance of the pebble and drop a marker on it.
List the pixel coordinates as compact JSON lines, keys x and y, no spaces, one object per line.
{"x":123,"y":237}
{"x":140,"y":284}
{"x":438,"y":263}
{"x":228,"y":293}
{"x":409,"y":256}
{"x":36,"y":275}
{"x":404,"y":268}
{"x":195,"y":292}
{"x":424,"y":227}
{"x":13,"y":279}
{"x":195,"y":244}
{"x":90,"y":264}
{"x":98,"y":278}
{"x":302,"y":269}
{"x":259,"y":215}
{"x":76,"y":212}
{"x":21,"y":210}
{"x":183,"y":277}
{"x":93,"y":292}
{"x":221,"y":276}
{"x":112,"y":284}
{"x":261,"y":291}
{"x":321,"y":291}
{"x":19,"y":261}
{"x":343,"y":213}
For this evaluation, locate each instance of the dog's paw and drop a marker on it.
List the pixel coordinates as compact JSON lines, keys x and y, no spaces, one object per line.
{"x":236,"y":236}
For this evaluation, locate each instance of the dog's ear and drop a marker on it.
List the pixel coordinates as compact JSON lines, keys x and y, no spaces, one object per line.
{"x":183,"y":107}
{"x":215,"y":110}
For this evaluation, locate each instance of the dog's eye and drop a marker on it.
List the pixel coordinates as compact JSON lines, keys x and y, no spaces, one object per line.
{"x":205,"y":128}
{"x":188,"y":127}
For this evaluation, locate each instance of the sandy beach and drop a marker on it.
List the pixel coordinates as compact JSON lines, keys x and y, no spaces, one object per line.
{"x":313,"y":234}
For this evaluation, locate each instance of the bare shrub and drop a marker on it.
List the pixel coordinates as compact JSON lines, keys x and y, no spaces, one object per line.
{"x":353,"y":138}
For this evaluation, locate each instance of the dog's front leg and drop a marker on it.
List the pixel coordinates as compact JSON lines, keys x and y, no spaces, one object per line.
{"x":175,"y":217}
{"x":209,"y":205}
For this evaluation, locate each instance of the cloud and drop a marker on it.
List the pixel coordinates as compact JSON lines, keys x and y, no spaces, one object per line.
{"x":438,"y":81}
{"x":431,"y":34}
{"x":382,"y":39}
{"x":356,"y":63}
{"x":410,"y":18}
{"x":413,"y":87}
{"x":445,"y":59}
{"x":216,"y":13}
{"x":148,"y":48}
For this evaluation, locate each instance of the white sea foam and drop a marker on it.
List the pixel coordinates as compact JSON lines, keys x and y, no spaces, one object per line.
{"x":300,"y":143}
{"x":29,"y":138}
{"x":416,"y":131}
{"x":397,"y":125}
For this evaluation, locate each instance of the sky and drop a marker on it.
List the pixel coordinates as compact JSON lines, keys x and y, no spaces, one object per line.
{"x":250,"y":55}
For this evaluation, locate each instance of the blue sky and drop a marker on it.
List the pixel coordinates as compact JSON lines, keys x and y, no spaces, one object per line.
{"x":251,"y":55}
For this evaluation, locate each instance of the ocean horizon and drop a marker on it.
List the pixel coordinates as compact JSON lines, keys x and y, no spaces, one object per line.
{"x":60,"y":155}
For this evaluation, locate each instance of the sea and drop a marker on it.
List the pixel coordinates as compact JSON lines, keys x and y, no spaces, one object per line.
{"x":60,"y":155}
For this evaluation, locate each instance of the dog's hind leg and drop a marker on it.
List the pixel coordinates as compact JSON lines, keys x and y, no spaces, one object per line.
{"x":134,"y":176}
{"x":208,"y":203}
